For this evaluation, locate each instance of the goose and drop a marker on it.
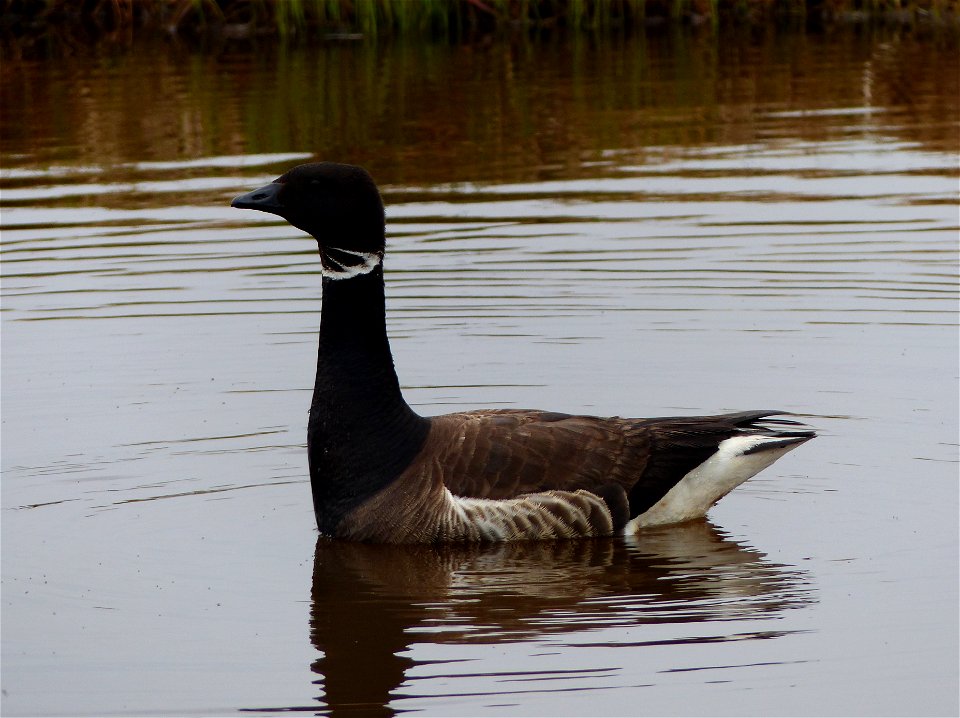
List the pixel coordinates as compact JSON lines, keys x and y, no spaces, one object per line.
{"x":380,"y":472}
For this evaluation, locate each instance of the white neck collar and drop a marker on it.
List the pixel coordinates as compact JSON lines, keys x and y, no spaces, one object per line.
{"x":333,"y":269}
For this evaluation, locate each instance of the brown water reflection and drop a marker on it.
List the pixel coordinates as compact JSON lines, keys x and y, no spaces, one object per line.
{"x":372,"y":604}
{"x":502,"y":111}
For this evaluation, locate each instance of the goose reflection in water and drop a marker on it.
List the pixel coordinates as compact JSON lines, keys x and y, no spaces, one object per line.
{"x":372,"y":603}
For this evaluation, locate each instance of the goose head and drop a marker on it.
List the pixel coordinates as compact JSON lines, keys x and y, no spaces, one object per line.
{"x":337,"y":204}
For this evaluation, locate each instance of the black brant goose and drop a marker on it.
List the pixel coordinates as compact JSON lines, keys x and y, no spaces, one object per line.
{"x":382,"y":473}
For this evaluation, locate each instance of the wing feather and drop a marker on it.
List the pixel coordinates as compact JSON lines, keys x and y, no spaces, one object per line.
{"x":630,"y":463}
{"x":499,"y":454}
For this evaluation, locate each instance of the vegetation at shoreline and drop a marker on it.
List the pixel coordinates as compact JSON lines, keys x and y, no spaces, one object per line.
{"x":126,"y":21}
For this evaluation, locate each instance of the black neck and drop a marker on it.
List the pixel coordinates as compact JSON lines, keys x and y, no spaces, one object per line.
{"x":361,"y":434}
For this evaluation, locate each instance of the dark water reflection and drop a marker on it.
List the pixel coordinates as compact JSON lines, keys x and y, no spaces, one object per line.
{"x":371,"y":605}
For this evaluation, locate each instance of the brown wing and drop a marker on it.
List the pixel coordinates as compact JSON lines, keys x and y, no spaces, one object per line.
{"x":630,"y":463}
{"x":501,"y":454}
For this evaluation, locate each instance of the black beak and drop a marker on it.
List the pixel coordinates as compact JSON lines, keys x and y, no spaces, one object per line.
{"x":265,"y":199}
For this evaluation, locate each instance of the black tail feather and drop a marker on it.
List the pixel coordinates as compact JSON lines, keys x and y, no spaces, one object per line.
{"x":680,"y":444}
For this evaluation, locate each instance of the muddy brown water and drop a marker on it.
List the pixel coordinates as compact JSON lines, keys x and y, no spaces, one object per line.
{"x":637,"y":227}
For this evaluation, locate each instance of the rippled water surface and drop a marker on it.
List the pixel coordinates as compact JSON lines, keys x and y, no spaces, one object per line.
{"x":636,"y":228}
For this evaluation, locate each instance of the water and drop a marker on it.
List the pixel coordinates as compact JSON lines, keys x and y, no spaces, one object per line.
{"x":635,"y":227}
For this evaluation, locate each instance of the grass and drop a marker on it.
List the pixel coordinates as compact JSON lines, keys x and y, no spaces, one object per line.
{"x":105,"y":20}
